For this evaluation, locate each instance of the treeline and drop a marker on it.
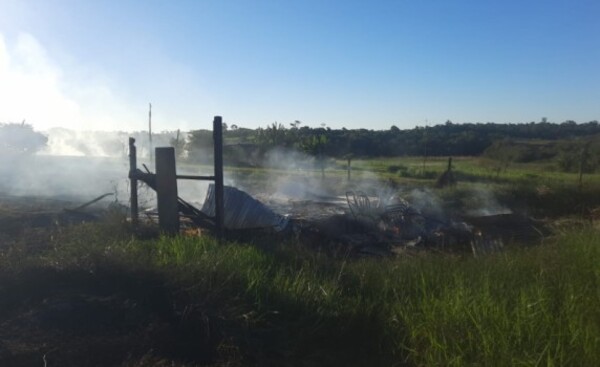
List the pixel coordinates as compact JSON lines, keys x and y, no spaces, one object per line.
{"x":449,"y":139}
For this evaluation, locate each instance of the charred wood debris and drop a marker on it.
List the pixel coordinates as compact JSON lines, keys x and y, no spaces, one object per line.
{"x":356,"y":224}
{"x":363,"y":225}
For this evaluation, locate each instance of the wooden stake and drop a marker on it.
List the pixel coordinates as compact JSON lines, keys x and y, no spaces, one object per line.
{"x":582,"y":162}
{"x":134,"y":193}
{"x":219,"y":190}
{"x":349,"y":167}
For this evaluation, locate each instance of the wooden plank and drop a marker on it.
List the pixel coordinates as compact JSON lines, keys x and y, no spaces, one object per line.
{"x":191,"y":177}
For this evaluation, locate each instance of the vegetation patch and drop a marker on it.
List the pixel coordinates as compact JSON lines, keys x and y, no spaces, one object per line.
{"x":190,"y":301}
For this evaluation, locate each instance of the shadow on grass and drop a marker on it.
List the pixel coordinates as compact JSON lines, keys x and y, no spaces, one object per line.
{"x":116,"y":315}
{"x":80,"y":318}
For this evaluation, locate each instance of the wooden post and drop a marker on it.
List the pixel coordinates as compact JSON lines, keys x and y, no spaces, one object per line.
{"x":349,"y":167}
{"x":582,"y":163}
{"x":134,"y":193}
{"x":166,"y":190}
{"x":425,"y":153}
{"x":219,"y":190}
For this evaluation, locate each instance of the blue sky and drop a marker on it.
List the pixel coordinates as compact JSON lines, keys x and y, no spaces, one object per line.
{"x":354,"y":64}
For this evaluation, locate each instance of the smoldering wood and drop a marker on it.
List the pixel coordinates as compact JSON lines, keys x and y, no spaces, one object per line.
{"x":93,"y":201}
{"x":191,"y":177}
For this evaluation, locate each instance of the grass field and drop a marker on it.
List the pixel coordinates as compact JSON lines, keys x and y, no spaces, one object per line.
{"x":280,"y":304}
{"x":537,"y":189}
{"x":100,"y":294}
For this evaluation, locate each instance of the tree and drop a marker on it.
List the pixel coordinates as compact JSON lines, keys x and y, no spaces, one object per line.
{"x":315,"y":145}
{"x":273,"y":136}
{"x":200,"y":145}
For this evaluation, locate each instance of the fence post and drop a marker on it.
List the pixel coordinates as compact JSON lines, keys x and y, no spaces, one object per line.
{"x":166,"y":190}
{"x":218,"y":155}
{"x":134,"y":186}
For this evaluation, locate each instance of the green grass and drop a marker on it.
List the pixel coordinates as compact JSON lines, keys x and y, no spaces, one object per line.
{"x":473,"y":169}
{"x":268,"y":303}
{"x":536,"y":188}
{"x":286,"y":305}
{"x":533,"y":188}
{"x":411,"y":170}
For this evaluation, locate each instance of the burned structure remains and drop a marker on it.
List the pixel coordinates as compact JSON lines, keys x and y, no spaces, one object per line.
{"x":380,"y":225}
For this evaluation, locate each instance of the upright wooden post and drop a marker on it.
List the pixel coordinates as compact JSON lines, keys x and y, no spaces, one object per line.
{"x":349,"y":167}
{"x":218,"y":155}
{"x":166,"y":190}
{"x":425,"y":153}
{"x":134,"y":193}
{"x":582,"y":163}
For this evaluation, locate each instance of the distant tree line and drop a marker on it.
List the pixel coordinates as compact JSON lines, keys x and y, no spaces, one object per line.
{"x":448,"y":139}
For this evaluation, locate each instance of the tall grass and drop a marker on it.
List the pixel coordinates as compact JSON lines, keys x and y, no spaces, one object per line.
{"x":291,"y":306}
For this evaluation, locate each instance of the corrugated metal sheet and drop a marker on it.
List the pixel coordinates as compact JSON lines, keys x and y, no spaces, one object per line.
{"x":242,"y":211}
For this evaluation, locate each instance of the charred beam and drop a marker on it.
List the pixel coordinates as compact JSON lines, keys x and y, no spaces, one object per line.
{"x":200,"y":178}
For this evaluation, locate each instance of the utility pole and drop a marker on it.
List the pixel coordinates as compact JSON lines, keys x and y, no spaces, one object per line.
{"x":150,"y":133}
{"x":425,"y":153}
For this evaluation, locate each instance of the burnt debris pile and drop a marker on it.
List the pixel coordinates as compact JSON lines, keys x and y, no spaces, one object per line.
{"x":391,"y":225}
{"x":357,"y":223}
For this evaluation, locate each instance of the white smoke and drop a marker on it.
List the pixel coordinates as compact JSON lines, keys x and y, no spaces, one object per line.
{"x":60,"y":176}
{"x":86,"y":143}
{"x":35,"y":88}
{"x":104,"y":143}
{"x":426,"y":201}
{"x":485,"y":203}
